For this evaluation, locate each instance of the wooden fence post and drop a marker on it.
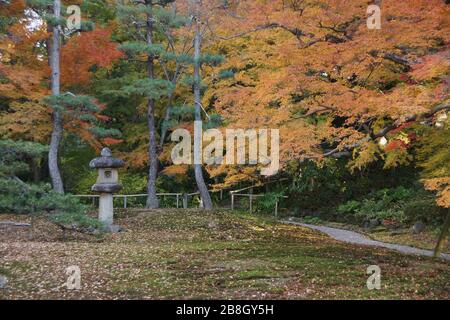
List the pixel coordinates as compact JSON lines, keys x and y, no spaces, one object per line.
{"x":125,"y":202}
{"x":177,"y":201}
{"x":250,"y":197}
{"x":232,"y":201}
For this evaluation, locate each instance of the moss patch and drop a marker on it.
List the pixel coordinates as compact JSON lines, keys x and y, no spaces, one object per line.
{"x":193,"y":254}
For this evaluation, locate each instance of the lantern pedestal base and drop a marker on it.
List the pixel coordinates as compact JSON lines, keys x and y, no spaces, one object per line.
{"x":106,"y":209}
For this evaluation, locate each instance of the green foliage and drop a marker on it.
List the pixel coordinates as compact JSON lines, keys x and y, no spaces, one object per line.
{"x":314,"y":185}
{"x":182,"y":110}
{"x":396,"y":158}
{"x":401,"y":205}
{"x":15,"y":154}
{"x":100,"y":132}
{"x":133,"y":182}
{"x":69,"y":102}
{"x":87,"y":26}
{"x":98,"y":10}
{"x":169,"y":19}
{"x":424,"y":210}
{"x":190,"y":81}
{"x":225,"y":74}
{"x":39,"y":4}
{"x":211,"y":60}
{"x":19,"y":197}
{"x":75,"y":158}
{"x":84,"y":182}
{"x":349,"y":207}
{"x":82,"y":108}
{"x":266,"y":204}
{"x":432,"y":152}
{"x":150,"y":88}
{"x":369,"y":154}
{"x":44,"y":7}
{"x":215,"y":121}
{"x":312,"y":220}
{"x":134,"y":47}
{"x":323,"y":187}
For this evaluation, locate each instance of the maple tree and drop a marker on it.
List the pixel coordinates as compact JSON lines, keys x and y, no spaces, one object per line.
{"x":22,"y":73}
{"x":331,"y":85}
{"x":26,"y":76}
{"x":311,"y":68}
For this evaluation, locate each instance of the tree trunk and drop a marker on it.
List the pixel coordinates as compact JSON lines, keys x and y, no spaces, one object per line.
{"x":443,"y":236}
{"x":166,"y":119}
{"x":56,"y":116}
{"x":152,"y":199}
{"x":201,"y":185}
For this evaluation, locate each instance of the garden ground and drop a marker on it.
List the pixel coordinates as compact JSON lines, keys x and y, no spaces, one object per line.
{"x":192,"y":254}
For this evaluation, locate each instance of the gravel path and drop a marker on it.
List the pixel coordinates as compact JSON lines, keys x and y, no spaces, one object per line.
{"x":357,"y":238}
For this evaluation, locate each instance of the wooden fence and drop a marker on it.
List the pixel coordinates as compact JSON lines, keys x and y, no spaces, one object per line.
{"x":182,"y":199}
{"x":251,"y":197}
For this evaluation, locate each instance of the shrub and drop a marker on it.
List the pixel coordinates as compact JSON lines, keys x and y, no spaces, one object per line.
{"x":312,"y":220}
{"x":400,"y":205}
{"x":266,"y":204}
{"x":424,"y":210}
{"x":17,"y":196}
{"x":21,"y":198}
{"x":350,"y":207}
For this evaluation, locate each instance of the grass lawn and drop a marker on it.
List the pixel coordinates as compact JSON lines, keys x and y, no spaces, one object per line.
{"x":179,"y":254}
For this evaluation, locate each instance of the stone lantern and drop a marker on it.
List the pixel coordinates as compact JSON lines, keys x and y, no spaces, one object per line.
{"x":107,"y":184}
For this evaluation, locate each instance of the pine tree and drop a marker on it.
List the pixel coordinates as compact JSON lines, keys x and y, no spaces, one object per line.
{"x":66,"y":104}
{"x":21,"y":197}
{"x":198,"y":28}
{"x":150,"y":22}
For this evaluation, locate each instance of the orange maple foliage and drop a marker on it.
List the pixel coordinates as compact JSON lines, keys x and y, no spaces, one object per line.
{"x":85,"y":51}
{"x":25,"y":74}
{"x":442,"y":186}
{"x":14,"y":8}
{"x":315,"y":71}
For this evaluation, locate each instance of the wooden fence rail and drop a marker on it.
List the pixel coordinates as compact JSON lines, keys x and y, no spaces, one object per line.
{"x":125,"y":197}
{"x":250,"y":199}
{"x":184,"y":197}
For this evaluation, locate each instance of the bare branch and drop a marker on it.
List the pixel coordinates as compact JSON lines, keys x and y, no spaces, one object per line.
{"x":385,"y":131}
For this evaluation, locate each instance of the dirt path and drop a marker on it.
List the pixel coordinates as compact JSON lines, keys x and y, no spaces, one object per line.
{"x":357,"y":238}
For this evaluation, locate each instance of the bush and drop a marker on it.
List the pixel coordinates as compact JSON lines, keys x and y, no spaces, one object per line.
{"x":312,"y":220}
{"x":400,"y":205}
{"x":424,"y":210}
{"x":350,"y":207}
{"x":21,"y":198}
{"x":17,"y":196}
{"x":266,"y":204}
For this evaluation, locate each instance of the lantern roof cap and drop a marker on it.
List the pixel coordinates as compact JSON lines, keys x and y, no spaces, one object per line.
{"x":106,"y":160}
